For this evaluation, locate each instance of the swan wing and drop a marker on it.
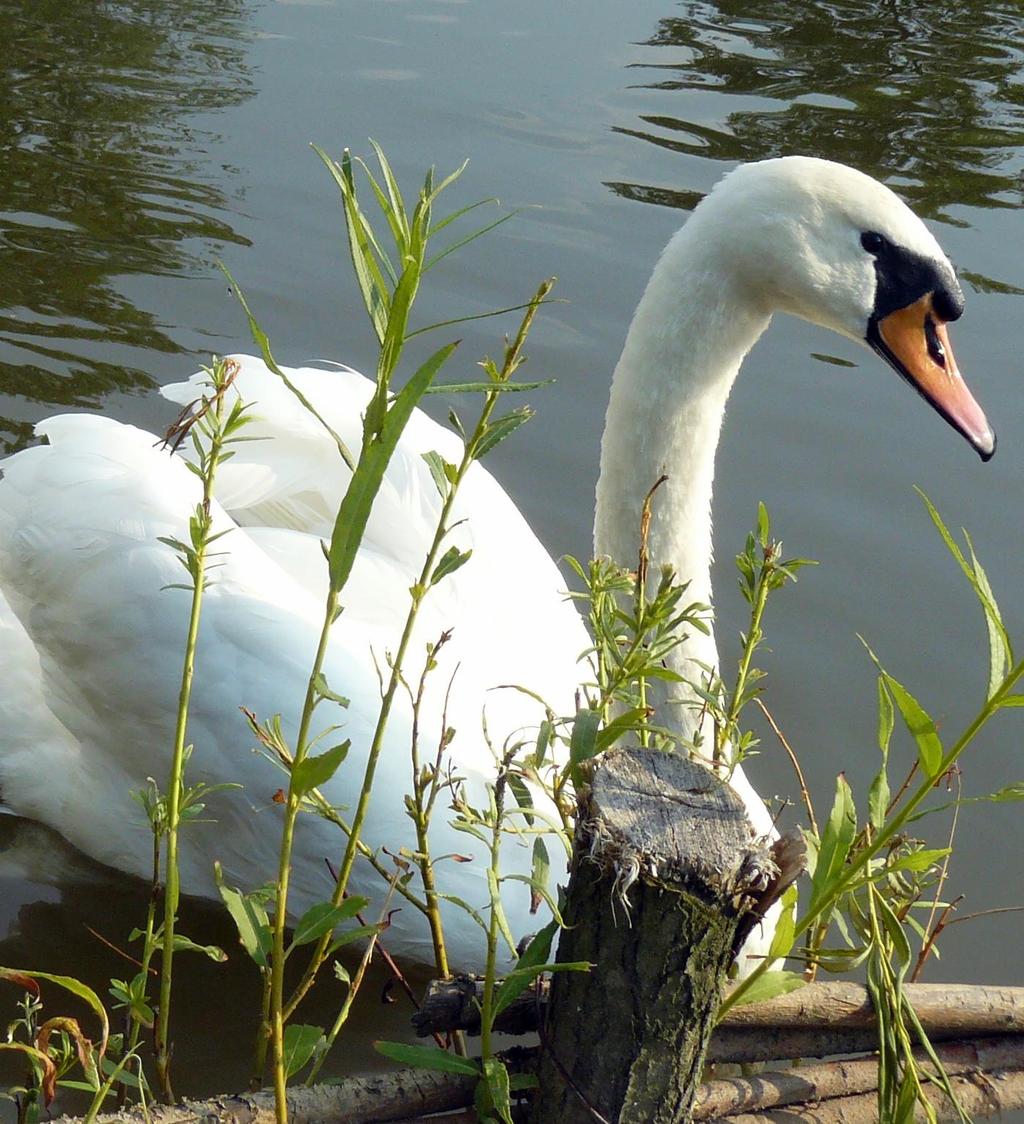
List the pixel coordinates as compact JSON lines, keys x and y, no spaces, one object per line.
{"x":507,"y":605}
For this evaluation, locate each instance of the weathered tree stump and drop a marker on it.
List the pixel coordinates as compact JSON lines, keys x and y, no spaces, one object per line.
{"x":665,"y":869}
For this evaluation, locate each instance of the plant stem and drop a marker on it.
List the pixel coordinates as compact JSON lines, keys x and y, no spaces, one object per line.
{"x":278,"y":1016}
{"x":202,"y":521}
{"x":354,"y":984}
{"x":376,"y":745}
{"x":421,"y":811}
{"x":331,"y":814}
{"x":487,"y":1002}
{"x":259,"y":1068}
{"x":148,"y":949}
{"x":727,"y":729}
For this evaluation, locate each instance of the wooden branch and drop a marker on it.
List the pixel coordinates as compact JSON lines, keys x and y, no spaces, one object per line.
{"x":980,"y":1094}
{"x":952,"y":1010}
{"x":988,"y":1075}
{"x":358,"y":1100}
{"x":763,"y":1044}
{"x":846,"y":1079}
{"x":970,"y":1010}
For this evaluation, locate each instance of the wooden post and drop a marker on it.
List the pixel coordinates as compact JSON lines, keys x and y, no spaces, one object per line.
{"x":665,"y":869}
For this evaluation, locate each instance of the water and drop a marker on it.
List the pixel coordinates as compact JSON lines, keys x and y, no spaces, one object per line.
{"x":144,"y":140}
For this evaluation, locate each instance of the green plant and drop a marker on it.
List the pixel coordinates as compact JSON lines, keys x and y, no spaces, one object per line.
{"x":389,"y":282}
{"x":211,"y":427}
{"x":53,"y":1046}
{"x":868,"y":879}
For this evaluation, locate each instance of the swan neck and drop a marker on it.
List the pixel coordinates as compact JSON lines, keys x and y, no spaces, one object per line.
{"x":688,"y":339}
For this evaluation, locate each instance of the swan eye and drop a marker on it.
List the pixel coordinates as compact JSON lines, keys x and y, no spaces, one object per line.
{"x":935,"y":348}
{"x":873,"y":242}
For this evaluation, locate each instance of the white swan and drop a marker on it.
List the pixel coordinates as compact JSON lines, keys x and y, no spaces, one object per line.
{"x":91,"y":641}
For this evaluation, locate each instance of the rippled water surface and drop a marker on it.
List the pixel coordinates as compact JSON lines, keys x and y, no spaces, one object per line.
{"x":143,"y":140}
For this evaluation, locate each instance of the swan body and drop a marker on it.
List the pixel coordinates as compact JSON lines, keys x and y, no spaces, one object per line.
{"x":97,"y":640}
{"x":92,"y":638}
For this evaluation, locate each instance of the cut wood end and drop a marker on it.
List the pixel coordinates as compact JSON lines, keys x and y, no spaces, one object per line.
{"x":665,"y":818}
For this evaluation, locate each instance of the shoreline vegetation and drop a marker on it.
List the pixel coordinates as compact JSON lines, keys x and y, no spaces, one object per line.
{"x":877,"y":899}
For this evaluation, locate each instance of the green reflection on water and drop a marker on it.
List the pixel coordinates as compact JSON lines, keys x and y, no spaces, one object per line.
{"x":104,"y":130}
{"x":928,"y":97}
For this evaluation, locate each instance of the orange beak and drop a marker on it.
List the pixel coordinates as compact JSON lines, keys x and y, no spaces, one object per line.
{"x":914,"y":341}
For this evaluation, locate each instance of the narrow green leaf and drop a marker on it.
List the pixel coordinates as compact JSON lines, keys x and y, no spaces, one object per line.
{"x":1011,"y":792}
{"x":117,"y":1070}
{"x":453,"y":559}
{"x":395,"y":213}
{"x":369,"y":473}
{"x":466,"y":907}
{"x":521,"y":792}
{"x":436,"y":463}
{"x":540,"y":871}
{"x":323,"y":917}
{"x":263,"y":343}
{"x":545,"y":732}
{"x":886,"y":717}
{"x":321,"y":687}
{"x":300,"y":1044}
{"x":499,"y":429}
{"x":624,"y":723}
{"x":458,"y":214}
{"x":895,"y":931}
{"x":427,"y":1057}
{"x":394,"y":333}
{"x":312,"y":772}
{"x":496,"y":1079}
{"x":770,"y":985}
{"x":537,"y":953}
{"x":485,"y":387}
{"x":540,"y":890}
{"x":905,"y":1110}
{"x":350,"y":936}
{"x":250,"y":919}
{"x":1000,"y":649}
{"x":764,"y":526}
{"x":879,"y":794}
{"x":399,"y":233}
{"x":835,"y":841}
{"x":433,"y":192}
{"x":498,"y":911}
{"x":583,"y":742}
{"x":368,"y":276}
{"x":183,"y":944}
{"x":472,"y":237}
{"x":918,"y":860}
{"x":920,"y":725}
{"x":785,"y":927}
{"x":878,"y":798}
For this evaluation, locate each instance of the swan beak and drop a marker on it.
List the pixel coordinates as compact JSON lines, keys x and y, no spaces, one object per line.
{"x":914,"y":341}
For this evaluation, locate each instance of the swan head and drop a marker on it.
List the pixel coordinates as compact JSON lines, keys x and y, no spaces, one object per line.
{"x":831,"y":245}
